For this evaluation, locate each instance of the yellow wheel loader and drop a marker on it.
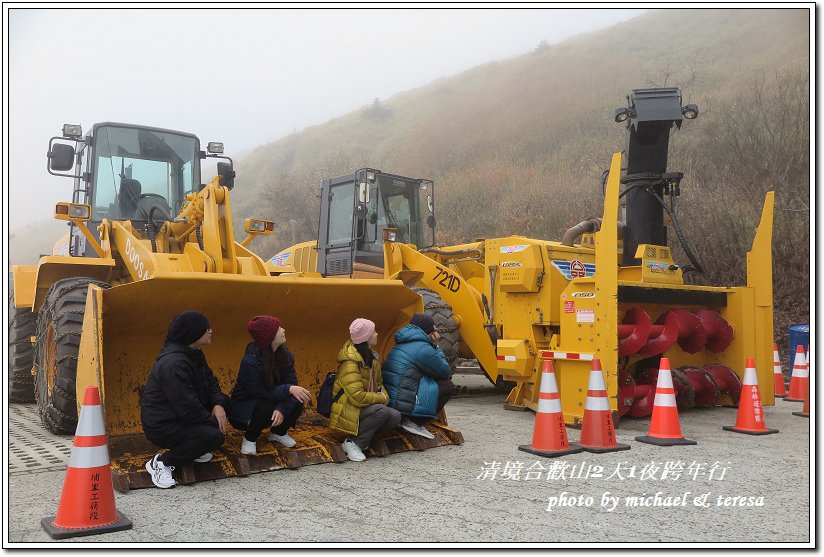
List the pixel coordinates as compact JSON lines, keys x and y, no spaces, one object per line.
{"x":147,"y":240}
{"x":609,"y":290}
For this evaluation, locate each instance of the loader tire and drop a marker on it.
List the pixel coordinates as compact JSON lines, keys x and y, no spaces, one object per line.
{"x":441,"y":312}
{"x":59,"y":325}
{"x":21,"y":353}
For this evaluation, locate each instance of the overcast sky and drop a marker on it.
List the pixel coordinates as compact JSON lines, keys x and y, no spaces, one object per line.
{"x":243,"y":76}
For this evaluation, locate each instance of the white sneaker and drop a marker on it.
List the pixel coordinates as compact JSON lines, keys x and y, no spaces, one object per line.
{"x":204,"y":458}
{"x":415,"y":429}
{"x":285,"y":440}
{"x":248,"y":447}
{"x":423,"y":432}
{"x":354,"y":452}
{"x":161,"y":474}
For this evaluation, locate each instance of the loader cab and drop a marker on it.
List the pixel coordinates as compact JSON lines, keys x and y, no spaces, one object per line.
{"x":126,"y":172}
{"x":141,"y":174}
{"x":356,"y":208}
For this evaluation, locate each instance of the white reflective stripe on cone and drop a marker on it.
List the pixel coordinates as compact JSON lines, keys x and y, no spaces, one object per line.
{"x":664,"y":399}
{"x":548,"y":383}
{"x":803,"y":372}
{"x":665,"y":379}
{"x":750,"y":377}
{"x":90,"y":422}
{"x":597,"y":403}
{"x":549,"y":405}
{"x":89,"y":457}
{"x":596,"y":380}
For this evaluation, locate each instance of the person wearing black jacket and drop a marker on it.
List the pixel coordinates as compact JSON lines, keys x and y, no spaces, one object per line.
{"x":182,"y":406}
{"x":266,"y":394}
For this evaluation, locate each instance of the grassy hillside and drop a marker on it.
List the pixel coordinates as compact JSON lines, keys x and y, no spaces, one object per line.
{"x":519,"y":144}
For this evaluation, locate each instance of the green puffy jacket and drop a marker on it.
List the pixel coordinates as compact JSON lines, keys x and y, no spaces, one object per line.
{"x":353,"y":378}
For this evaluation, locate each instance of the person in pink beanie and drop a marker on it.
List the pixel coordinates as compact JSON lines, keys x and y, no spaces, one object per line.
{"x":359,"y":402}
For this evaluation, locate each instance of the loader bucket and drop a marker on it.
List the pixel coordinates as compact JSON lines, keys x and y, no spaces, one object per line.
{"x":124,"y":328}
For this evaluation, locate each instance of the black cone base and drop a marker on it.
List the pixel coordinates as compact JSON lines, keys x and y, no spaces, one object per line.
{"x":736,"y":430}
{"x":788,"y":399}
{"x":664,"y":441}
{"x":573,"y":448}
{"x":801,"y":414}
{"x":617,"y":447}
{"x":58,"y":533}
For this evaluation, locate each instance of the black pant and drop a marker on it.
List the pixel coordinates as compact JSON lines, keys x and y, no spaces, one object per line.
{"x":262,"y":418}
{"x":445,"y":390}
{"x":185,"y":442}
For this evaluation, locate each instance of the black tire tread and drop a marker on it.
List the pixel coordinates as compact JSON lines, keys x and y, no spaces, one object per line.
{"x":62,"y":311}
{"x":21,"y":352}
{"x":441,"y":312}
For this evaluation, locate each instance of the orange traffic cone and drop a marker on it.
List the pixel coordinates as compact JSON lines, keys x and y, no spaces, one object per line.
{"x":597,"y":431}
{"x":800,"y":378}
{"x":87,"y":502}
{"x":665,"y":427}
{"x":806,"y":412}
{"x":778,"y":375}
{"x":750,"y":417}
{"x":549,"y":436}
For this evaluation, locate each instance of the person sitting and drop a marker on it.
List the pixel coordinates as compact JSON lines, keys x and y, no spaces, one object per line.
{"x":182,"y":406}
{"x":266,"y":393}
{"x":416,"y":375}
{"x":361,"y":411}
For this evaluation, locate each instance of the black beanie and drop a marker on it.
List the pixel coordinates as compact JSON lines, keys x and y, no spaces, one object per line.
{"x":187,"y":327}
{"x":425,"y":322}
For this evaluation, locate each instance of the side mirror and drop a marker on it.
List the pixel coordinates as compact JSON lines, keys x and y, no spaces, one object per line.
{"x":430,"y":221}
{"x":227,"y":175}
{"x":61,"y":157}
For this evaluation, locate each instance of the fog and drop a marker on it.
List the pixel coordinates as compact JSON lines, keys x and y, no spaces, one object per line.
{"x":242,"y":76}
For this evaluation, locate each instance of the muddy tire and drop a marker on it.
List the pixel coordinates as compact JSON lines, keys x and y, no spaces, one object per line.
{"x":59,"y":325}
{"x":21,"y":353}
{"x":441,"y":312}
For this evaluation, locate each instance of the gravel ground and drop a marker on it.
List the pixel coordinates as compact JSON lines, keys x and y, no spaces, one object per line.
{"x":485,"y":491}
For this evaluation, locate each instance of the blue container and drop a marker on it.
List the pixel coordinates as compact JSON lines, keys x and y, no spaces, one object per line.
{"x":799,"y":334}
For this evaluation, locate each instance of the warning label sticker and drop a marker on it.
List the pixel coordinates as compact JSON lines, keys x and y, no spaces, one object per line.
{"x":569,"y":306}
{"x":585,"y":316}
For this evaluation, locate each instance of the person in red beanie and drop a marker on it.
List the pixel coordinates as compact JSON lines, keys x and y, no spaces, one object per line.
{"x":266,"y":393}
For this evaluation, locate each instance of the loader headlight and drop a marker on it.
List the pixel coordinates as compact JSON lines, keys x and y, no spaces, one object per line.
{"x":690,"y":111}
{"x":215,"y":147}
{"x":259,"y":226}
{"x":72,"y":211}
{"x":622,"y":113}
{"x":72,"y":130}
{"x":390,"y":235}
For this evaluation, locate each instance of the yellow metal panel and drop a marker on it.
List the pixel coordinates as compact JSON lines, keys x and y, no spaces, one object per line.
{"x":52,"y":268}
{"x":90,"y":353}
{"x":515,"y":358}
{"x":656,"y":265}
{"x":606,"y":284}
{"x":298,"y":258}
{"x":759,"y":278}
{"x":518,"y":271}
{"x":24,"y":277}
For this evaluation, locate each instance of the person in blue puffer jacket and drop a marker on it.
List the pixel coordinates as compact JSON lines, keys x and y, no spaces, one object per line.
{"x":416,"y":375}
